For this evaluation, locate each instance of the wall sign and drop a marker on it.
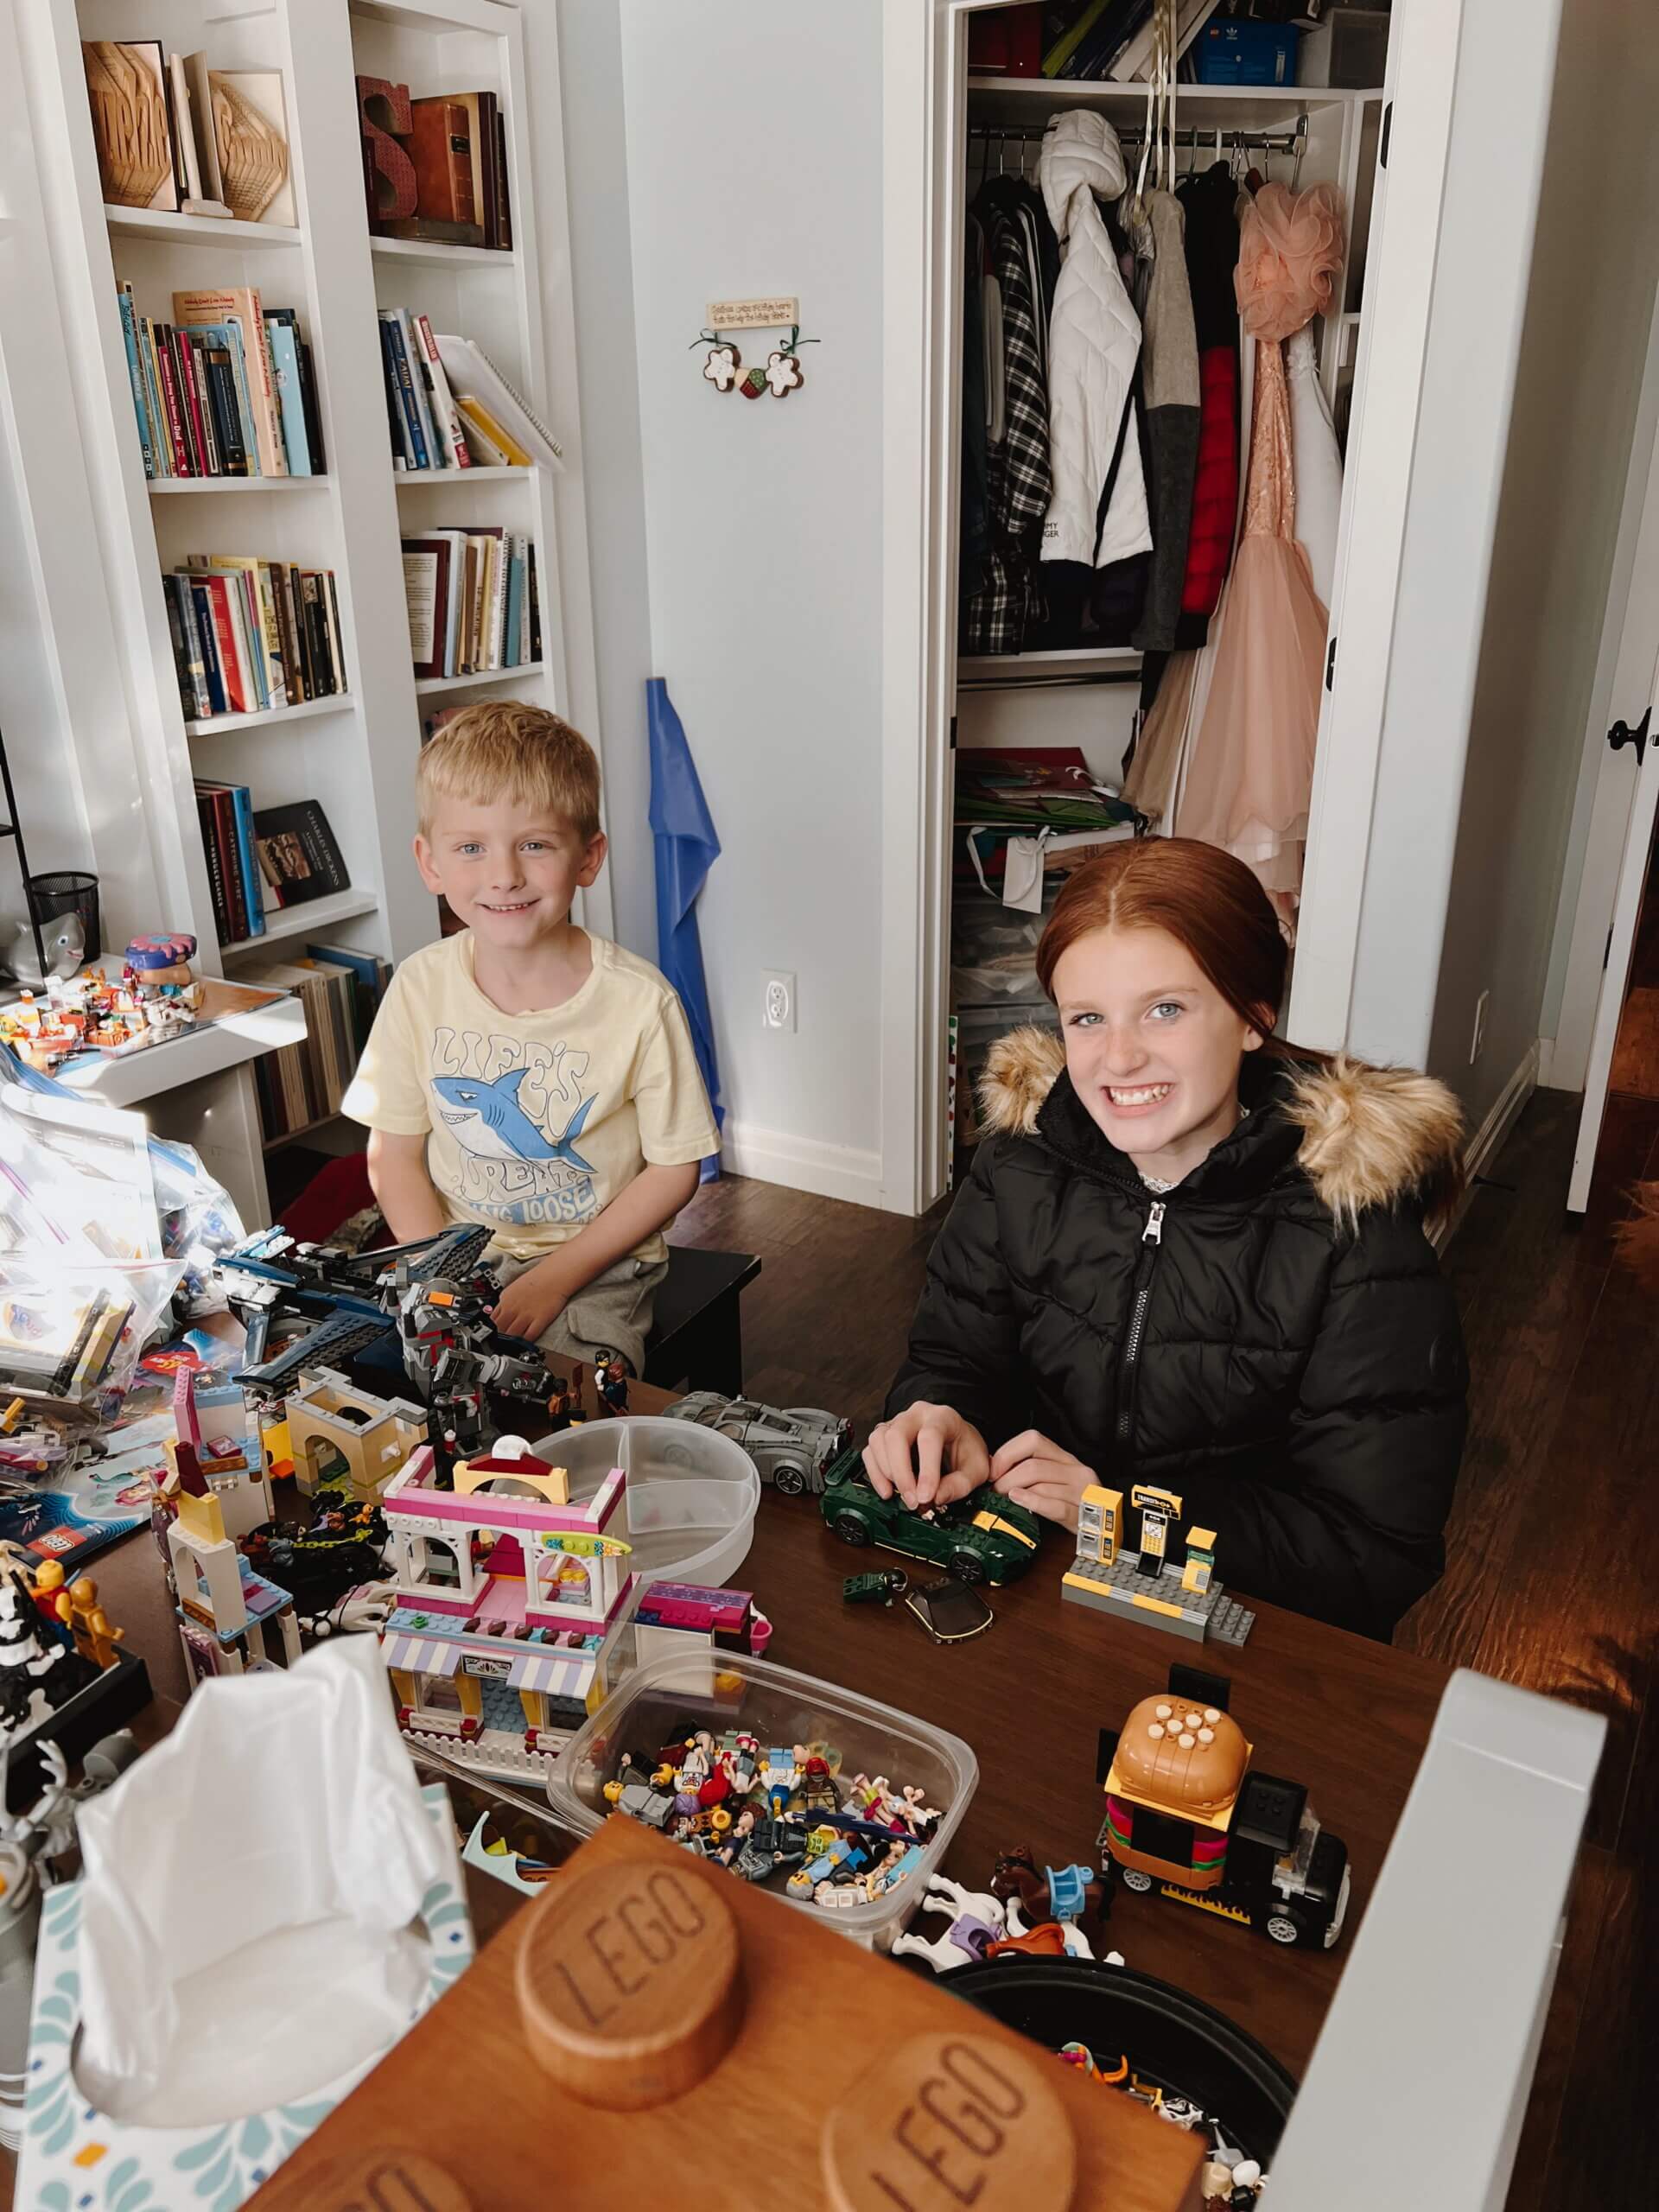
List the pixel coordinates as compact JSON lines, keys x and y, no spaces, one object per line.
{"x":752,"y":315}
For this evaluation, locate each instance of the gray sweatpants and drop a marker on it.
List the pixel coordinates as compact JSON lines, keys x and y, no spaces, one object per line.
{"x":613,"y":1313}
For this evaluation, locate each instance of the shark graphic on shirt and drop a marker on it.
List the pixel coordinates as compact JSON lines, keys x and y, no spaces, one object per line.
{"x":487,"y":1120}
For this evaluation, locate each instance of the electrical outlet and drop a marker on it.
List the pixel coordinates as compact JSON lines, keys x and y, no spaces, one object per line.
{"x":1477,"y":1042}
{"x":779,"y":1001}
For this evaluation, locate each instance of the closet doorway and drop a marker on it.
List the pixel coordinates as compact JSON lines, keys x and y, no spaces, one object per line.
{"x":1389,"y":149}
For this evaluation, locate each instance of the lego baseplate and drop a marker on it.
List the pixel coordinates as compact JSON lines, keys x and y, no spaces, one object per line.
{"x":1157,"y":1602}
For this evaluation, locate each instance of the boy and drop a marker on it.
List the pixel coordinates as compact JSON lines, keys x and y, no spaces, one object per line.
{"x":525,"y":1074}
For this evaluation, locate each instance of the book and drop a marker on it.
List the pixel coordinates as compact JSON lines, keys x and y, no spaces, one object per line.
{"x":250,"y":129}
{"x":126,"y":92}
{"x":291,"y":405}
{"x":178,"y":445}
{"x":415,"y":453}
{"x":1069,"y":41}
{"x":469,"y":369}
{"x":181,"y":650}
{"x":140,"y":404}
{"x":1135,"y":59}
{"x":218,"y":897}
{"x":298,"y":856}
{"x":1094,"y":56}
{"x":224,"y":859}
{"x":227,"y":414}
{"x":480,"y":112}
{"x":242,"y":307}
{"x":202,"y":105}
{"x":436,"y":448}
{"x":503,"y":197}
{"x":422,"y":564}
{"x":218,"y":697}
{"x":444,"y":404}
{"x":495,"y":447}
{"x":151,"y":378}
{"x":440,"y":146}
{"x":308,"y":386}
{"x":370,"y":976}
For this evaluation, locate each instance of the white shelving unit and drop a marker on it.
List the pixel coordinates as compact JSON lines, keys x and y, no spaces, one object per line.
{"x":354,"y":752}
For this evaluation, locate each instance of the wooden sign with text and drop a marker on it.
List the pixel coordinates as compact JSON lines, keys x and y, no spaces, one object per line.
{"x":758,"y":314}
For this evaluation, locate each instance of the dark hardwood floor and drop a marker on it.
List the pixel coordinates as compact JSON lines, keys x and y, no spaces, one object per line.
{"x":1553,"y":1553}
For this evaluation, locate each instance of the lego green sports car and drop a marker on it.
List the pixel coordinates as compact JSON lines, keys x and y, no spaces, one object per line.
{"x":982,"y":1538}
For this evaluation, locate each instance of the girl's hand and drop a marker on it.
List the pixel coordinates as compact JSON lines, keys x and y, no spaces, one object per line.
{"x":933,"y":1434}
{"x":1037,"y":1473}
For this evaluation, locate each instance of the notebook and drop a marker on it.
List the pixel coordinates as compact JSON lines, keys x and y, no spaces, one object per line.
{"x":470,"y":369}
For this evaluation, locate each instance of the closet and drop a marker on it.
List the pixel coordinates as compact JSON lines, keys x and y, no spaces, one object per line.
{"x":1439,"y":170}
{"x":1047,"y":660}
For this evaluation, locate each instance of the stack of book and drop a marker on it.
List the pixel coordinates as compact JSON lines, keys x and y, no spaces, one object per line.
{"x":449,"y":406}
{"x":1116,"y":38}
{"x":250,"y":635}
{"x":435,"y":168}
{"x":341,"y":990}
{"x":473,"y":604}
{"x":260,"y":860}
{"x":226,"y":389}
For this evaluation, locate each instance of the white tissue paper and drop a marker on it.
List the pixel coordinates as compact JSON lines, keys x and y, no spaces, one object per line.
{"x":249,"y":1912}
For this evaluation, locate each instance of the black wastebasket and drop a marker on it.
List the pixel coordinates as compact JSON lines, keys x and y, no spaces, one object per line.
{"x":71,"y":890}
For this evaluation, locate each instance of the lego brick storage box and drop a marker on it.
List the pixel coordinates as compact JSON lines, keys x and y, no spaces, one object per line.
{"x":668,"y":1700}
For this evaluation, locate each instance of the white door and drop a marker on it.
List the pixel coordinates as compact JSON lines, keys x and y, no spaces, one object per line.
{"x":1634,"y":767}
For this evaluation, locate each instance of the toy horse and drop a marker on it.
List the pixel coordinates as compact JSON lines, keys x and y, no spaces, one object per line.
{"x":978,"y":1924}
{"x":1058,"y":1893}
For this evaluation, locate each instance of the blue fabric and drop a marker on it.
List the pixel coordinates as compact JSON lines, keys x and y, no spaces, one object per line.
{"x":683,"y":833}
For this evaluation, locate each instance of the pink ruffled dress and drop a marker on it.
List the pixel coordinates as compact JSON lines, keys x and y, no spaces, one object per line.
{"x":1250,"y":772}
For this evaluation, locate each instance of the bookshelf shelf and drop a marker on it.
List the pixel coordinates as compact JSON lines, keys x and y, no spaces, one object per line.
{"x":166,"y":484}
{"x":197,"y":229}
{"x":426,"y":685}
{"x":339,"y":703}
{"x":211,"y":1050}
{"x":443,"y":256}
{"x":475,"y":474}
{"x":297,"y":921}
{"x":299,"y":1135}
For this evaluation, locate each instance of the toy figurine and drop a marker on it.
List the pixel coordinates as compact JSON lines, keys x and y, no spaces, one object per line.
{"x":611,"y":1380}
{"x":1215,"y":1833}
{"x":38,"y":1674}
{"x":1062,"y":1893}
{"x":88,"y":1624}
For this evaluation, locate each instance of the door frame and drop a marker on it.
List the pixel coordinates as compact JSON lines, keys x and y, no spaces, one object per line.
{"x":1607,"y":781}
{"x":925,"y":77}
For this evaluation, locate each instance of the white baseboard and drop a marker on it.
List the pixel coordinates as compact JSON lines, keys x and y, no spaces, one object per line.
{"x":1487,"y":1139}
{"x":829,"y":1171}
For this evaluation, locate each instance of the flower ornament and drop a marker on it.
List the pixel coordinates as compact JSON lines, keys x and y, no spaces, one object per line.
{"x":721,"y":365}
{"x":783,"y":375}
{"x":1289,"y":249}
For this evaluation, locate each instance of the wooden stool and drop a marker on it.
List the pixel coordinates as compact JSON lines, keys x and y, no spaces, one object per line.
{"x":698,"y":1334}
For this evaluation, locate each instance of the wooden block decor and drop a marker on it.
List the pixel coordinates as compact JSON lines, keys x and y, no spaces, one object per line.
{"x":129,"y":106}
{"x":383,"y":115}
{"x":649,"y":2015}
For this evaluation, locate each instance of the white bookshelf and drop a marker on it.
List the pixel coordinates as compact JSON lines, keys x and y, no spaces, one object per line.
{"x":355,"y":753}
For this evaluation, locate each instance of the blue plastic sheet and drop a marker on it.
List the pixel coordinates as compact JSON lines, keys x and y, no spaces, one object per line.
{"x":682,"y":832}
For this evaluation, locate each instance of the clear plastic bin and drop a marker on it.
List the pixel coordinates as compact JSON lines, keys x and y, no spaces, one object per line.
{"x":692,"y":1494}
{"x":672,"y":1695}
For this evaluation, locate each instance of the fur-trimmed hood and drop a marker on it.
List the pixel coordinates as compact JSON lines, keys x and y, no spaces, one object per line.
{"x":1370,"y":1136}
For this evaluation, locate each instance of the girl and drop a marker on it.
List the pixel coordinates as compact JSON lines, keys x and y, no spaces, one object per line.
{"x":1190,"y":1255}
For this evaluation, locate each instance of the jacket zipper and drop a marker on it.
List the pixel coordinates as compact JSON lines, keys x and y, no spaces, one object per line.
{"x":1151,"y":1244}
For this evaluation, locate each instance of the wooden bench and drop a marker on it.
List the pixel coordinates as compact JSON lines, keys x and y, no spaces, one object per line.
{"x":698,"y":1336}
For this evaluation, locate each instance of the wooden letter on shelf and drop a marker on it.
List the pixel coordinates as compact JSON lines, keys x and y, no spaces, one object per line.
{"x":383,"y":115}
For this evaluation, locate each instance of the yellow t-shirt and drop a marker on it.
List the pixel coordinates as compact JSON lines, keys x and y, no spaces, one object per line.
{"x":534,"y":1121}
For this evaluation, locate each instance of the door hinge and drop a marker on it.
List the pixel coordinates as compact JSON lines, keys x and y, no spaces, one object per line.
{"x":1329,"y":663}
{"x":1388,"y":126}
{"x":953,"y":734}
{"x":1607,"y":952}
{"x":1622,"y":734}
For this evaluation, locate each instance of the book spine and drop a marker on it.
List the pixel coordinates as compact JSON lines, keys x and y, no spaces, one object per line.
{"x":227,"y":420}
{"x":225,"y":831}
{"x":418,"y":456}
{"x":293,"y":680}
{"x":313,"y":413}
{"x":443,"y":400}
{"x":336,"y":635}
{"x":180,"y":649}
{"x":249,"y":639}
{"x":231,"y":666}
{"x":535,"y":608}
{"x":150,"y":370}
{"x":285,"y":354}
{"x":247,"y":865}
{"x":321,"y":850}
{"x":484,"y":139}
{"x":177,"y":416}
{"x":247,"y":428}
{"x":182,"y":599}
{"x":212,"y":453}
{"x":267,"y":414}
{"x":395,"y":436}
{"x":499,"y":566}
{"x":210,"y":853}
{"x":308,"y":676}
{"x":317,"y":631}
{"x":515,"y":602}
{"x":271,"y":630}
{"x":130,"y":341}
{"x":435,"y":448}
{"x":503,"y":194}
{"x":201,"y":600}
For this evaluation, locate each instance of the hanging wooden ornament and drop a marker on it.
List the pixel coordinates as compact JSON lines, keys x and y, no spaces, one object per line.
{"x":753,"y":383}
{"x":783,"y":375}
{"x":721,"y":367}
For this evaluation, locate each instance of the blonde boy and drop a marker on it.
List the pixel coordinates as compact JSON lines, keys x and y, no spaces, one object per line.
{"x":525,"y":1074}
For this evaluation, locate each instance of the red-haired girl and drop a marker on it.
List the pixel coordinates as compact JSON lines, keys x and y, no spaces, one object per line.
{"x":1189,"y":1255}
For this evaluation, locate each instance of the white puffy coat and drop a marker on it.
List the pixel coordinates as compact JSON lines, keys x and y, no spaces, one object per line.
{"x":1094,"y":342}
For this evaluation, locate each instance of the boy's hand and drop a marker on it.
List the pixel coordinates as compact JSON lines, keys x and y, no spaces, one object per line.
{"x":1036,"y":1473}
{"x":933,"y":1434}
{"x":532,"y":1302}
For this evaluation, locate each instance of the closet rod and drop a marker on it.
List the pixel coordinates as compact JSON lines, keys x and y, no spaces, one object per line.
{"x":1283,"y":141}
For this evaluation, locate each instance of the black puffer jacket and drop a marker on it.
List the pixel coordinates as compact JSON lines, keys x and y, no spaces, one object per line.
{"x":1298,"y":1375}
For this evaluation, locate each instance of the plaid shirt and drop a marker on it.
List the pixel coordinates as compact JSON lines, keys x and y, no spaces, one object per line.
{"x":996,"y":617}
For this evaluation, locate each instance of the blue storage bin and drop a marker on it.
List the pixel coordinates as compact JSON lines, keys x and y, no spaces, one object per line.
{"x":1246,"y":52}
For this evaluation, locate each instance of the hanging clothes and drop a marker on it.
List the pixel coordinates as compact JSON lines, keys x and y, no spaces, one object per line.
{"x":1169,"y":368}
{"x":1209,"y":204}
{"x":975,"y":501}
{"x":998,"y":617}
{"x":1097,"y":513}
{"x":1251,"y":770}
{"x":1318,"y":464}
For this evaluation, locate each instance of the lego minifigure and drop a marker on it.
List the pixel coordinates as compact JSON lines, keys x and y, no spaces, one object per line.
{"x":611,"y":1380}
{"x":87,"y":1622}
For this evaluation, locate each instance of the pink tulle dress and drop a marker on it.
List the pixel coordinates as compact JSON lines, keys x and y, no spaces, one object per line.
{"x":1250,"y":772}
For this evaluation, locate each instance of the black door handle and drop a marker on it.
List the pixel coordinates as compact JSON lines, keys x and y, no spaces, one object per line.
{"x":1621,"y":734}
